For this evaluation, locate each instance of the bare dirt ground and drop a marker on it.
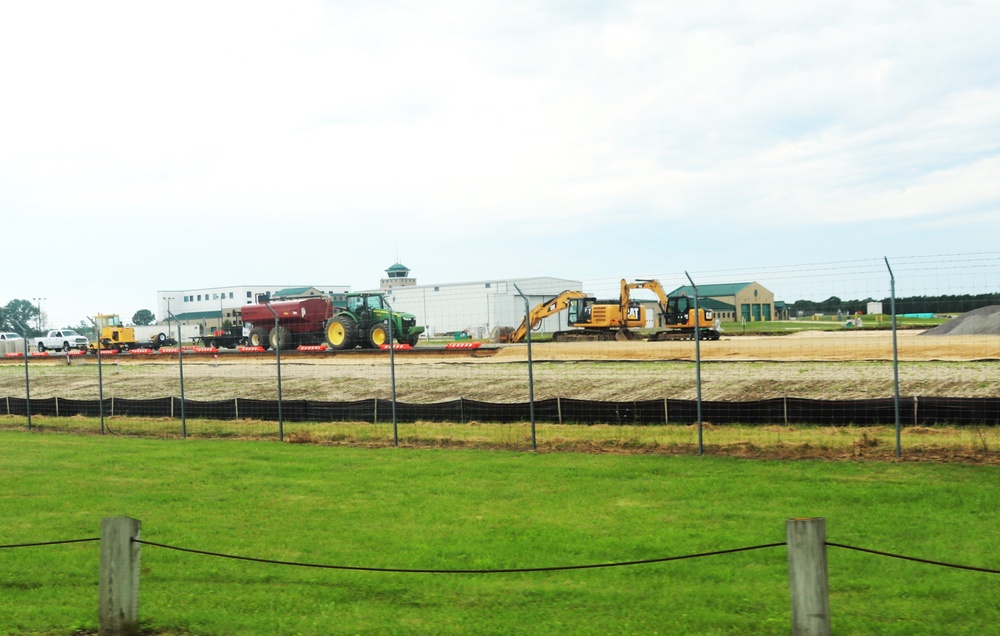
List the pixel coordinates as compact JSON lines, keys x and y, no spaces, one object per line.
{"x":818,"y":365}
{"x":805,"y":346}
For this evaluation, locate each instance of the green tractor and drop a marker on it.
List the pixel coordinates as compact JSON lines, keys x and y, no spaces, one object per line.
{"x":362,"y":319}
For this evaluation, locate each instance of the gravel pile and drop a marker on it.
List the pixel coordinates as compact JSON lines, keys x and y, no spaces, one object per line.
{"x":982,"y":321}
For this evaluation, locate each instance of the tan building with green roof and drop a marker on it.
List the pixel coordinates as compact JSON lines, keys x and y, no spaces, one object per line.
{"x":735,"y":302}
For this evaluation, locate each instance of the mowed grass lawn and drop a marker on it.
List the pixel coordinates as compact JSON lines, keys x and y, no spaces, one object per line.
{"x":477,"y":509}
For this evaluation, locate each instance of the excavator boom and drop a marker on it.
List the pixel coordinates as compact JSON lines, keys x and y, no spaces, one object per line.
{"x":543,"y":311}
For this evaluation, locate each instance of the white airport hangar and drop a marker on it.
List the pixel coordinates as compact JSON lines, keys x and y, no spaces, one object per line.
{"x":476,"y":307}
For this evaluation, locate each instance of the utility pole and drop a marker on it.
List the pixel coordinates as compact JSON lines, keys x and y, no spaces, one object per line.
{"x":38,"y":319}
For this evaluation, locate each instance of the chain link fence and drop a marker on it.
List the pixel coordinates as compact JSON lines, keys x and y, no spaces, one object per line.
{"x":807,"y":357}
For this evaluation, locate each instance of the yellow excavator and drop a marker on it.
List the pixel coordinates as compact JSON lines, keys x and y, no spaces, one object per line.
{"x":678,"y":313}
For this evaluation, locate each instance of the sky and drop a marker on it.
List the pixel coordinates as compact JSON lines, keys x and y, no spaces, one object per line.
{"x":164,"y":146}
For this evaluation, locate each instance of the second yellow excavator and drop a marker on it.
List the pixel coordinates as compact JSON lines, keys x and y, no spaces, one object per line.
{"x":596,"y":320}
{"x":678,"y":313}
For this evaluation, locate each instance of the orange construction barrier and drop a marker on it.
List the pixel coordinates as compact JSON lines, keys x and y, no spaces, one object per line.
{"x":463,"y":345}
{"x":397,"y":347}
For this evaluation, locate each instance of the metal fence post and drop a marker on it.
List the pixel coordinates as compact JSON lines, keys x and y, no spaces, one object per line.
{"x":278,"y":342}
{"x":27,"y":383}
{"x":118,"y":588}
{"x":392,"y":376}
{"x":895,"y":355}
{"x":697,"y":364}
{"x":531,"y":377}
{"x":807,"y":576}
{"x":180,"y":365}
{"x":100,"y":374}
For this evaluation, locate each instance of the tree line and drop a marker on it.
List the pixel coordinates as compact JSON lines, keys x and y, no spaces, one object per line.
{"x":946,"y":304}
{"x":23,"y":317}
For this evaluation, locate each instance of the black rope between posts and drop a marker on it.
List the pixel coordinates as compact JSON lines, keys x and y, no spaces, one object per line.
{"x":436,"y":571}
{"x":31,"y":545}
{"x":908,"y":558}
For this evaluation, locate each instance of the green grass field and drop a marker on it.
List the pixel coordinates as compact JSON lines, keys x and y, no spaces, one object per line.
{"x":964,"y":444}
{"x":476,"y":509}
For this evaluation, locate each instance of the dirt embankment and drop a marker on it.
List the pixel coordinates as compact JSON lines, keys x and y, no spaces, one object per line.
{"x":812,"y":346}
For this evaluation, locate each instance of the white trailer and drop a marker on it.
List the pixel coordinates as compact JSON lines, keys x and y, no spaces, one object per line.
{"x":151,"y":333}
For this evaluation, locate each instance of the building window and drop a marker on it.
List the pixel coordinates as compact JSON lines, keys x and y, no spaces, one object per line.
{"x":488,"y":285}
{"x":437,"y":288}
{"x":230,"y":295}
{"x":250,"y":295}
{"x":199,"y":296}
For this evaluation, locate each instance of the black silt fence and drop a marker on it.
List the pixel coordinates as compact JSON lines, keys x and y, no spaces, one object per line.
{"x":913,"y":411}
{"x":880,"y":411}
{"x":929,"y":410}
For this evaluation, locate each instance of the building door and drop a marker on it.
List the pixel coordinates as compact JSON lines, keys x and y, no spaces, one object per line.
{"x":767,"y":311}
{"x":745,"y":313}
{"x":756,"y":312}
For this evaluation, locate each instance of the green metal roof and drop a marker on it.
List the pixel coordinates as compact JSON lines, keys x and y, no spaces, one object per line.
{"x":398,"y":267}
{"x":722,"y":289}
{"x":195,"y":315}
{"x":714,"y":305}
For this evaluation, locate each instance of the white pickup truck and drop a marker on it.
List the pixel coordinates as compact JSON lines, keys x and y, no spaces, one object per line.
{"x":64,"y":339}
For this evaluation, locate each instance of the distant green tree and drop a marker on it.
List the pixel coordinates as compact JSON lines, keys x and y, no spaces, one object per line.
{"x":143,"y":317}
{"x":19,"y":315}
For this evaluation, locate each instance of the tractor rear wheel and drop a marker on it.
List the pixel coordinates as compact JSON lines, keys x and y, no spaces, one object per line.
{"x":258,"y":337}
{"x":378,"y":335}
{"x":340,"y":333}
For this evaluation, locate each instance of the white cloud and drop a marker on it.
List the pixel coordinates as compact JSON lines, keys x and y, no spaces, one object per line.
{"x":341,"y":117}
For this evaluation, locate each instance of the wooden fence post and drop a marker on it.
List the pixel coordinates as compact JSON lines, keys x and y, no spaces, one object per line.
{"x":118,"y":611}
{"x":807,"y":576}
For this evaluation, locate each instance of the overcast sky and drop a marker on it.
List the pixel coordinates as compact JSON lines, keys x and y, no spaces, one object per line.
{"x":149,"y":146}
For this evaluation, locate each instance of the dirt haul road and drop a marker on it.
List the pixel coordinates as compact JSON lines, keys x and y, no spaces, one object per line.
{"x":812,"y":346}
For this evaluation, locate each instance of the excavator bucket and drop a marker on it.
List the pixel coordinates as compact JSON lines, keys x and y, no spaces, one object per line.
{"x":501,"y":334}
